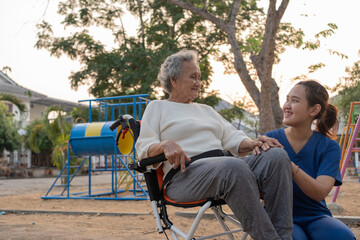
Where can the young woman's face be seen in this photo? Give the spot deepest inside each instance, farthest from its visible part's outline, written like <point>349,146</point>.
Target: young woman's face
<point>187,87</point>
<point>296,108</point>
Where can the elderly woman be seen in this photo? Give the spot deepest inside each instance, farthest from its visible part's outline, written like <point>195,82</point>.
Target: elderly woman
<point>181,129</point>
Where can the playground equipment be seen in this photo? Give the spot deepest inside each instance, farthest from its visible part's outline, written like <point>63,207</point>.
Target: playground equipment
<point>349,147</point>
<point>101,142</point>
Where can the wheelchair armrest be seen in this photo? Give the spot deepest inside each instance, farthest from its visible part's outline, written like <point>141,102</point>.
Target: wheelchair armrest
<point>141,165</point>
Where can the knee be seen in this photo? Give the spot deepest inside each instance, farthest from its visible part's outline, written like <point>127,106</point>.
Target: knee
<point>298,233</point>
<point>341,231</point>
<point>234,167</point>
<point>329,228</point>
<point>333,234</point>
<point>278,157</point>
<point>234,175</point>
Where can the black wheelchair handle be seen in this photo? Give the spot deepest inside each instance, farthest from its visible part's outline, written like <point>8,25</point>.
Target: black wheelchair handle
<point>115,125</point>
<point>142,164</point>
<point>152,160</point>
<point>123,120</point>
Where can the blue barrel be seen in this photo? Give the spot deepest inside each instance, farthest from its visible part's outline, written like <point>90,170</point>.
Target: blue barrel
<point>92,139</point>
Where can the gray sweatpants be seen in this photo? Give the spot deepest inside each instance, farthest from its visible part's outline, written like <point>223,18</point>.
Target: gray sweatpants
<point>238,181</point>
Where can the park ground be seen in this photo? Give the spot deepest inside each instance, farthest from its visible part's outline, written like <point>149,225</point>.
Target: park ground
<point>25,215</point>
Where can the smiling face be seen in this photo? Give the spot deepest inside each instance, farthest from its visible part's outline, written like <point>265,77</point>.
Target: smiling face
<point>296,108</point>
<point>187,87</point>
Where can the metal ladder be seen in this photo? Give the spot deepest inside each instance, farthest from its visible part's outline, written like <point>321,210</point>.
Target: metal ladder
<point>350,149</point>
<point>65,173</point>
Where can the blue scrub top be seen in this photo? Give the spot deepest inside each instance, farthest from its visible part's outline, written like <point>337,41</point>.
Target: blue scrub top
<point>319,156</point>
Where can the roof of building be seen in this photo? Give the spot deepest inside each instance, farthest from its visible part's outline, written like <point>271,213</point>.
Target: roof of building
<point>9,86</point>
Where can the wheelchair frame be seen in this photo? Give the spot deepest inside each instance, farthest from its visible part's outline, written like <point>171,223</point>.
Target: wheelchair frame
<point>158,204</point>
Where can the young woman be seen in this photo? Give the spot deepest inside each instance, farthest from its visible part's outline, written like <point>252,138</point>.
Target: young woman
<point>315,160</point>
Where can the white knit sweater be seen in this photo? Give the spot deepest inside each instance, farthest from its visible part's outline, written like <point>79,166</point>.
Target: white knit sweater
<point>197,128</point>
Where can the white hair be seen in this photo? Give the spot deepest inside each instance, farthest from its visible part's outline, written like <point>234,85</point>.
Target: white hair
<point>172,67</point>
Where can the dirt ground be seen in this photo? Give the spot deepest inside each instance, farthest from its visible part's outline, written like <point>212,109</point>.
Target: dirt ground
<point>129,220</point>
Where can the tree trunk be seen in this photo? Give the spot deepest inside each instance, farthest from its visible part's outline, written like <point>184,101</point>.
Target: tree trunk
<point>276,108</point>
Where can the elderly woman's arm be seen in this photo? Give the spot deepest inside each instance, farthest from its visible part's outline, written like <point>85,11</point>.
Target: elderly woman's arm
<point>173,153</point>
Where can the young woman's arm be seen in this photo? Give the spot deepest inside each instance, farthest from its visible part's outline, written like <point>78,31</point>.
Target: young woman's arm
<point>316,189</point>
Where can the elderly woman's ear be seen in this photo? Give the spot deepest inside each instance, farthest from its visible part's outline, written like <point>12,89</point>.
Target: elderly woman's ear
<point>173,82</point>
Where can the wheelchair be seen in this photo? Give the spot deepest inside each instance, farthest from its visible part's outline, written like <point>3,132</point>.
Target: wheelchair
<point>159,200</point>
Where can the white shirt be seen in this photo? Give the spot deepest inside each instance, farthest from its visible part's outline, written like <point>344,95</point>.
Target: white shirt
<point>197,128</point>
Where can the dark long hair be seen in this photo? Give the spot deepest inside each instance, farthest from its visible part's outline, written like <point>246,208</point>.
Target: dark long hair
<point>327,122</point>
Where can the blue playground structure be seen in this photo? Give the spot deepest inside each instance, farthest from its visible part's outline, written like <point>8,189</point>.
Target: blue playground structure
<point>96,146</point>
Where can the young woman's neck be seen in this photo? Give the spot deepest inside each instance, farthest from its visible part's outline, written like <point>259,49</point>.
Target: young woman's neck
<point>300,133</point>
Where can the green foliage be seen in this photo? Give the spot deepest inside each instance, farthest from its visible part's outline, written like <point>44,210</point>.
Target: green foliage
<point>313,45</point>
<point>327,32</point>
<point>36,137</point>
<point>348,89</point>
<point>50,135</point>
<point>80,114</point>
<point>315,67</point>
<point>15,101</point>
<point>57,126</point>
<point>6,70</point>
<point>230,114</point>
<point>253,123</point>
<point>132,64</point>
<point>332,52</point>
<point>9,137</point>
<point>211,99</point>
<point>59,154</point>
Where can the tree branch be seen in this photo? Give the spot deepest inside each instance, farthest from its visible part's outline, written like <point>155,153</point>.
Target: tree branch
<point>234,11</point>
<point>205,2</point>
<point>200,12</point>
<point>240,67</point>
<point>282,8</point>
<point>271,28</point>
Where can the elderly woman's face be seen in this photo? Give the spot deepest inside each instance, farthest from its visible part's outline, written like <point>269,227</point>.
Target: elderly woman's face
<point>187,87</point>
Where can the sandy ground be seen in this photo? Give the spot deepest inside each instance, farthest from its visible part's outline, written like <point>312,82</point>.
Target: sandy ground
<point>129,219</point>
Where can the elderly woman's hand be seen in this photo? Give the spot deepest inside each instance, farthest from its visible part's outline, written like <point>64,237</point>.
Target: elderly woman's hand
<point>265,143</point>
<point>175,154</point>
<point>261,143</point>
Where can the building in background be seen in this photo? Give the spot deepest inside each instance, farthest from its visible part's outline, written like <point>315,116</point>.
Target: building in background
<point>36,104</point>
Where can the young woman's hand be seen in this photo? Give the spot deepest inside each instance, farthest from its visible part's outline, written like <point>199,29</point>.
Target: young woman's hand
<point>269,142</point>
<point>261,143</point>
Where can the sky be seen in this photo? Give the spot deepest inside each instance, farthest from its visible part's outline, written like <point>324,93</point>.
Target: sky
<point>38,71</point>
